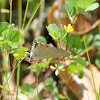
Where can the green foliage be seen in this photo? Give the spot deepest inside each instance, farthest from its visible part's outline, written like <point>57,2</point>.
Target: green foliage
<point>96,41</point>
<point>5,45</point>
<point>74,7</point>
<point>3,27</point>
<point>50,84</point>
<point>41,65</point>
<point>92,7</point>
<point>8,36</point>
<point>41,39</point>
<point>19,50</point>
<point>84,3</point>
<point>15,35</point>
<point>70,5</point>
<point>80,60</point>
<point>92,41</point>
<point>5,34</point>
<point>9,39</point>
<point>88,38</point>
<point>80,74</point>
<point>97,59</point>
<point>38,66</point>
<point>74,41</point>
<point>74,67</point>
<point>26,89</point>
<point>56,33</point>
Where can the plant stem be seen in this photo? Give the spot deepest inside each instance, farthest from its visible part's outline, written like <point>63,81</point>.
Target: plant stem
<point>5,74</point>
<point>99,93</point>
<point>9,78</point>
<point>25,14</point>
<point>33,14</point>
<point>18,77</point>
<point>3,16</point>
<point>19,13</point>
<point>99,28</point>
<point>91,70</point>
<point>37,84</point>
<point>67,97</point>
<point>10,1</point>
<point>88,49</point>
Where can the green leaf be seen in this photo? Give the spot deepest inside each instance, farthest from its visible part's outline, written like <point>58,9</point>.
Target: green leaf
<point>1,38</point>
<point>36,66</point>
<point>69,7</point>
<point>3,26</point>
<point>97,60</point>
<point>23,48</point>
<point>81,10</point>
<point>15,35</point>
<point>53,31</point>
<point>20,50</point>
<point>92,7</point>
<point>84,3</point>
<point>5,34</point>
<point>41,39</point>
<point>5,44</point>
<point>50,84</point>
<point>62,97</point>
<point>42,65</point>
<point>32,67</point>
<point>57,34</point>
<point>52,28</point>
<point>79,60</point>
<point>11,27</point>
<point>62,34</point>
<point>74,67</point>
<point>80,74</point>
<point>96,40</point>
<point>26,89</point>
<point>74,41</point>
<point>88,38</point>
<point>14,45</point>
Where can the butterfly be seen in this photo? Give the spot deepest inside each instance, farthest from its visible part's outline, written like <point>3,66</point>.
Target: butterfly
<point>42,51</point>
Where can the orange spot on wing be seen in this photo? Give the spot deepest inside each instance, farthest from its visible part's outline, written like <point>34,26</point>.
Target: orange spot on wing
<point>46,46</point>
<point>41,45</point>
<point>34,41</point>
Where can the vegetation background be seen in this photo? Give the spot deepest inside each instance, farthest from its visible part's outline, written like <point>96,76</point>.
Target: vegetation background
<point>71,25</point>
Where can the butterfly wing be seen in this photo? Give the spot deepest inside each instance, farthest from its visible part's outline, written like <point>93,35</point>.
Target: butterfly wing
<point>46,51</point>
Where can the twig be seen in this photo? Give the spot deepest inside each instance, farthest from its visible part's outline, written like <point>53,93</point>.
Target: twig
<point>2,87</point>
<point>89,29</point>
